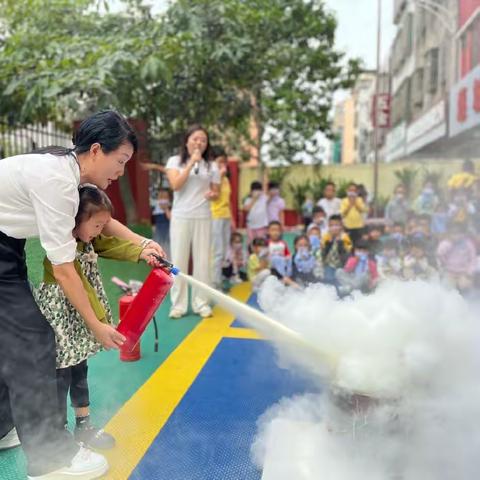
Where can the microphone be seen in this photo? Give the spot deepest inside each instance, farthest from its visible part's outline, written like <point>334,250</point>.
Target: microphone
<point>197,154</point>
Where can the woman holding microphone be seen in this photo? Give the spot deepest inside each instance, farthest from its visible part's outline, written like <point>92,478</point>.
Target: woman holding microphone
<point>195,180</point>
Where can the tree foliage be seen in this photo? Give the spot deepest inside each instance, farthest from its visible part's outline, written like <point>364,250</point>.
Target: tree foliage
<point>229,64</point>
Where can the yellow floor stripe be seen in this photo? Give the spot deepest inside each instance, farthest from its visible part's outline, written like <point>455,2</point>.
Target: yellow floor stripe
<point>138,422</point>
<point>247,333</point>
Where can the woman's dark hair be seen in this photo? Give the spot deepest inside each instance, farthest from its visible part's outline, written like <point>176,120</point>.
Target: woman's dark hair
<point>184,155</point>
<point>92,201</point>
<point>108,128</point>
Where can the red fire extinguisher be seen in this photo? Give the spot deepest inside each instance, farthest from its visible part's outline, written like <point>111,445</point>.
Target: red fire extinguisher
<point>127,355</point>
<point>138,310</point>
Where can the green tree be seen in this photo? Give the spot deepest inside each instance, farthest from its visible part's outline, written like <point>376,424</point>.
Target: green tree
<point>270,64</point>
<point>299,193</point>
<point>229,64</point>
<point>406,176</point>
<point>62,59</point>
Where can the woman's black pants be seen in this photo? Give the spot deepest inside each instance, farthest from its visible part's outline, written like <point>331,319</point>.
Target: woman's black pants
<point>28,388</point>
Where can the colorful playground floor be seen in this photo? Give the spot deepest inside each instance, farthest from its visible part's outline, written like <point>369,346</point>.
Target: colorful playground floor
<point>189,411</point>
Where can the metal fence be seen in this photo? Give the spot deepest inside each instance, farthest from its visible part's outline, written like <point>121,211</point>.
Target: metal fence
<point>16,139</point>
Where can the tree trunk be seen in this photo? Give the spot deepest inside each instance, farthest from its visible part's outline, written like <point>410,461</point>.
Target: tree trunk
<point>257,132</point>
<point>128,199</point>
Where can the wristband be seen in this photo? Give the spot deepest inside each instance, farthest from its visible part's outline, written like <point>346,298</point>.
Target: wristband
<point>145,242</point>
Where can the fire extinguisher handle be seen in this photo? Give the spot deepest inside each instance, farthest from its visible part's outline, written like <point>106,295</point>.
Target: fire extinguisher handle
<point>166,264</point>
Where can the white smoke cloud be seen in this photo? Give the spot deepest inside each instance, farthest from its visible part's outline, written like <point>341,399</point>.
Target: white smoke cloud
<point>401,399</point>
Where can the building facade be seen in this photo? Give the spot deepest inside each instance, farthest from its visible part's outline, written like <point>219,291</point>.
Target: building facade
<point>352,123</point>
<point>422,71</point>
<point>464,101</point>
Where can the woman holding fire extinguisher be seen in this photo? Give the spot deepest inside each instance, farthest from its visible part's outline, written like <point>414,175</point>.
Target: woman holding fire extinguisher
<point>195,181</point>
<point>39,198</point>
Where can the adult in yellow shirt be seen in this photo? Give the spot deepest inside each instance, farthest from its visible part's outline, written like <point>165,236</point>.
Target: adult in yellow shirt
<point>353,211</point>
<point>221,217</point>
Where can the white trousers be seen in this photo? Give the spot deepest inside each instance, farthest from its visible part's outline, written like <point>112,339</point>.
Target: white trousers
<point>221,231</point>
<point>193,235</point>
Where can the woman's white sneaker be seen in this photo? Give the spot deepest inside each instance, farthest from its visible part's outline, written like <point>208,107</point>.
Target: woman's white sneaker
<point>85,465</point>
<point>175,313</point>
<point>10,440</point>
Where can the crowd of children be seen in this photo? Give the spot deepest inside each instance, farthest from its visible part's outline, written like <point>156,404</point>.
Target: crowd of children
<point>436,235</point>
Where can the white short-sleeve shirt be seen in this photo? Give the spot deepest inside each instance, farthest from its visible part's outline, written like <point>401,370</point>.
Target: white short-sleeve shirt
<point>39,198</point>
<point>257,217</point>
<point>331,206</point>
<point>190,201</point>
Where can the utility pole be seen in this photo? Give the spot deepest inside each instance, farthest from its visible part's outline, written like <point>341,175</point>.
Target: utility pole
<point>375,113</point>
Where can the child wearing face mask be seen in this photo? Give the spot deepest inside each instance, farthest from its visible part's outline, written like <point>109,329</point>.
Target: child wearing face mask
<point>427,201</point>
<point>460,208</point>
<point>278,250</point>
<point>439,222</point>
<point>360,271</point>
<point>390,263</point>
<point>258,266</point>
<point>74,341</point>
<point>304,266</point>
<point>319,220</point>
<point>257,215</point>
<point>416,263</point>
<point>335,247</point>
<point>353,210</point>
<point>397,208</point>
<point>457,257</point>
<point>162,213</point>
<point>314,235</point>
<point>235,264</point>
<point>275,204</point>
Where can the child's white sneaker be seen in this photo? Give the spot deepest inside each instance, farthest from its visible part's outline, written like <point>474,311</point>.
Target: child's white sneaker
<point>85,465</point>
<point>10,440</point>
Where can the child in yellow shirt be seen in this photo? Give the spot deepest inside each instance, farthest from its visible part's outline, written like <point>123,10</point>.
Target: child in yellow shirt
<point>353,210</point>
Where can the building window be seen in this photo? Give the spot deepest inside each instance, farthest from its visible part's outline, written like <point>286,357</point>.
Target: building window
<point>409,35</point>
<point>421,27</point>
<point>433,60</point>
<point>444,63</point>
<point>476,43</point>
<point>418,89</point>
<point>401,105</point>
<point>466,52</point>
